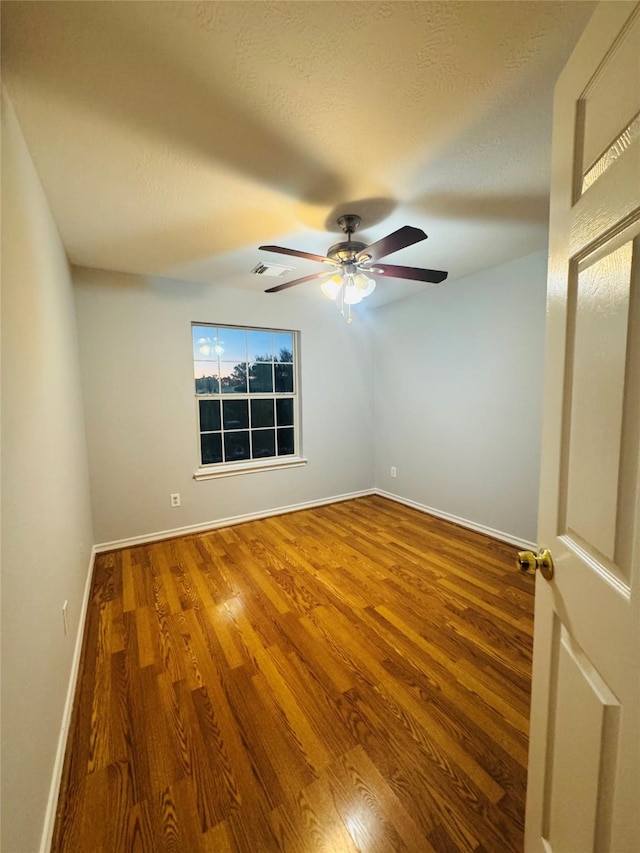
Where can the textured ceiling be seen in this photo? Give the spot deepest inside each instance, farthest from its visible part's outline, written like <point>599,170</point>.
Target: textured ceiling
<point>174,138</point>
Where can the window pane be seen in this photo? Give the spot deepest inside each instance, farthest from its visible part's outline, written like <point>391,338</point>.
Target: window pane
<point>206,376</point>
<point>262,413</point>
<point>211,448</point>
<point>208,385</point>
<point>205,368</point>
<point>284,408</point>
<point>282,346</point>
<point>233,377</point>
<point>209,415</point>
<point>284,378</point>
<point>260,378</point>
<point>260,346</point>
<point>205,343</point>
<point>235,414</point>
<point>233,344</point>
<point>264,443</point>
<point>236,446</point>
<point>285,442</point>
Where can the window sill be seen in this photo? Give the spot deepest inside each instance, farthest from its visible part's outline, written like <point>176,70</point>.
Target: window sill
<point>234,468</point>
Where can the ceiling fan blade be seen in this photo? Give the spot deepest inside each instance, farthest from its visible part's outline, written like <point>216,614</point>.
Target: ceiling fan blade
<point>297,254</point>
<point>405,236</point>
<point>296,281</point>
<point>415,273</point>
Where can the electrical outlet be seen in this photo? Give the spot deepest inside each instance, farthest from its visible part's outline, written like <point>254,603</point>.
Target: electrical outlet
<point>393,471</point>
<point>175,499</point>
<point>65,619</point>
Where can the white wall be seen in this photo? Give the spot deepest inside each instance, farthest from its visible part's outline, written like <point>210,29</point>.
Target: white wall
<point>137,369</point>
<point>458,379</point>
<point>458,396</point>
<point>46,522</point>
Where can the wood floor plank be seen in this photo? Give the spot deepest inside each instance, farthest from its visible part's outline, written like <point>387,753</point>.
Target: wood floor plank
<point>374,817</point>
<point>350,677</point>
<point>298,728</point>
<point>273,773</point>
<point>161,559</point>
<point>325,665</point>
<point>219,619</point>
<point>311,823</point>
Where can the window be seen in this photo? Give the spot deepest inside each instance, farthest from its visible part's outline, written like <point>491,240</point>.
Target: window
<point>246,398</point>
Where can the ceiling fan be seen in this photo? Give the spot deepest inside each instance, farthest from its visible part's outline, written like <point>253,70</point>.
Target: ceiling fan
<point>352,262</point>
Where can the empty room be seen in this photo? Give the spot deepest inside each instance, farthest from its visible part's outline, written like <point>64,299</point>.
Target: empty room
<point>320,427</point>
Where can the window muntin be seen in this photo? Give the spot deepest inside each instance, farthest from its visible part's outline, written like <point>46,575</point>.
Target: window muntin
<point>245,388</point>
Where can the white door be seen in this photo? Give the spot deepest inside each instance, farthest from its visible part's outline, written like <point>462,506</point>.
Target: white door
<point>584,760</point>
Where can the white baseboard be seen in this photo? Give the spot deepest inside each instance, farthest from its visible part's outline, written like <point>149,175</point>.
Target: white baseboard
<point>509,538</point>
<point>226,522</point>
<point>158,535</point>
<point>58,765</point>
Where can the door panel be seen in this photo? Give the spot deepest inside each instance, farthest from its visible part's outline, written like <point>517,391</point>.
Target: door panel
<point>598,318</point>
<point>584,759</point>
<point>606,116</point>
<point>580,756</point>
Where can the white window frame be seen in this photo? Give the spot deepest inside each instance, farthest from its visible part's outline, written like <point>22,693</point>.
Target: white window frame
<point>270,463</point>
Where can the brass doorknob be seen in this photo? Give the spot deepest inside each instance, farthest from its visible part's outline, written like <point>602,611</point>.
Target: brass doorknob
<point>528,562</point>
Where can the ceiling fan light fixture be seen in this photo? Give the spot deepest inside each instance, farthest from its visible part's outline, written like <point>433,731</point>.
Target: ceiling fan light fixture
<point>356,287</point>
<point>352,293</point>
<point>331,287</point>
<point>365,285</point>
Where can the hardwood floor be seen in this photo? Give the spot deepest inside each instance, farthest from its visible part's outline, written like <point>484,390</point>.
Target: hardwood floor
<point>348,678</point>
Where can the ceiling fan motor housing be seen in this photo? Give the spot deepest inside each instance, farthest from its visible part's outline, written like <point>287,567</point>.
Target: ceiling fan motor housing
<point>346,252</point>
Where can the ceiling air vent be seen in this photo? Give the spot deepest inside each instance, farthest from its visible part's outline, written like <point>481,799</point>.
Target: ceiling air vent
<point>274,270</point>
